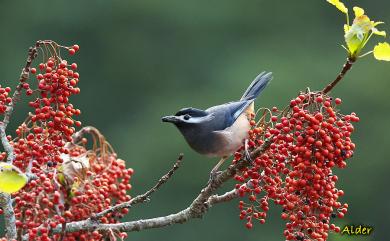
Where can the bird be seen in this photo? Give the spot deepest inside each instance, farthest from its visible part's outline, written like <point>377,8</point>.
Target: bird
<point>220,130</point>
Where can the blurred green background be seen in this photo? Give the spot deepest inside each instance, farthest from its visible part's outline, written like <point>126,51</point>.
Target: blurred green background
<point>140,60</point>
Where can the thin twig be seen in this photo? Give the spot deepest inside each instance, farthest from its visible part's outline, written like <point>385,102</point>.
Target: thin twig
<point>347,66</point>
<point>32,54</point>
<point>85,130</point>
<point>143,197</point>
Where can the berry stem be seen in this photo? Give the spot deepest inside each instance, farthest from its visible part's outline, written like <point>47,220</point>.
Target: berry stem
<point>347,66</point>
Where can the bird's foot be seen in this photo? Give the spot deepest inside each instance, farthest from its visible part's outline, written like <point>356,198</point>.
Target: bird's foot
<point>246,153</point>
<point>248,157</point>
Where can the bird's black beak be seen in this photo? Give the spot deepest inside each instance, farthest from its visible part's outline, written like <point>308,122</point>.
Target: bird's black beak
<point>171,119</point>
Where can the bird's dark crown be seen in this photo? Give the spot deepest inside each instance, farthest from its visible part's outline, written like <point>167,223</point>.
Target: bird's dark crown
<point>192,112</point>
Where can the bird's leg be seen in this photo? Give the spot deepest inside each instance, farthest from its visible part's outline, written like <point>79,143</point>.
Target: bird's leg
<point>247,154</point>
<point>214,172</point>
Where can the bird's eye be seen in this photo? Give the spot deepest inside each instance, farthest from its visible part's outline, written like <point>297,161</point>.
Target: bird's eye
<point>187,117</point>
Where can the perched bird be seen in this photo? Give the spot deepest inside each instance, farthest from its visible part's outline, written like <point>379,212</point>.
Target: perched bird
<point>220,130</point>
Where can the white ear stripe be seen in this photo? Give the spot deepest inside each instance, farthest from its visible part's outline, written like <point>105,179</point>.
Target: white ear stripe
<point>196,120</point>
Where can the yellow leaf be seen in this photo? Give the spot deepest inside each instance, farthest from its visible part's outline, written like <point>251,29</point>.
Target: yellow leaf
<point>382,51</point>
<point>339,5</point>
<point>377,32</point>
<point>377,23</point>
<point>358,11</point>
<point>11,178</point>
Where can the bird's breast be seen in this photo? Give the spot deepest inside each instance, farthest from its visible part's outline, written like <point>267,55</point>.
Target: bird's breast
<point>229,140</point>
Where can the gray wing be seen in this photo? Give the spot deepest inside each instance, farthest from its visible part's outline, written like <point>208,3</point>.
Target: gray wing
<point>226,114</point>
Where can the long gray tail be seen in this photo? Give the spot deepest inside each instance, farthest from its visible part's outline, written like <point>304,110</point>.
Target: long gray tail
<point>257,86</point>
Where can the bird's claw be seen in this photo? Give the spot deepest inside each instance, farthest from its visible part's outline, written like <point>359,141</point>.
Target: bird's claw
<point>246,152</point>
<point>248,156</point>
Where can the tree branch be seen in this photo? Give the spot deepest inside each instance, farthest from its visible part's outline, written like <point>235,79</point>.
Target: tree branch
<point>199,206</point>
<point>222,198</point>
<point>159,222</point>
<point>6,145</point>
<point>9,216</point>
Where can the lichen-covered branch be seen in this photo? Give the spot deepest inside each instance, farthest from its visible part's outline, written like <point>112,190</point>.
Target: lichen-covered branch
<point>226,197</point>
<point>158,222</point>
<point>6,145</point>
<point>9,216</point>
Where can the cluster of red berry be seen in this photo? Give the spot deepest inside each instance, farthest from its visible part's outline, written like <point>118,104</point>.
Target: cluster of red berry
<point>308,139</point>
<point>86,183</point>
<point>42,137</point>
<point>4,98</point>
<point>73,182</point>
<point>106,184</point>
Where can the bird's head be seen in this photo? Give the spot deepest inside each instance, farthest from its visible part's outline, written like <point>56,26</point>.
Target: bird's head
<point>188,117</point>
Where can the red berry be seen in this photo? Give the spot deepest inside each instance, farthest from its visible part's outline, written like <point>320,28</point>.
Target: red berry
<point>76,47</point>
<point>249,225</point>
<point>319,99</point>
